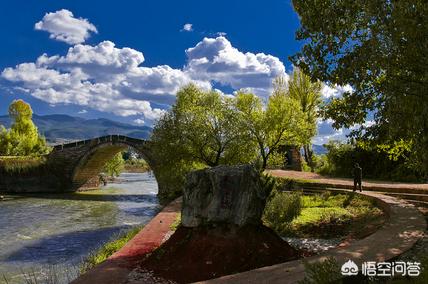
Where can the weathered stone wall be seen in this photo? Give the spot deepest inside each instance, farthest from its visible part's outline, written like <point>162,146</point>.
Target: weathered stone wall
<point>35,179</point>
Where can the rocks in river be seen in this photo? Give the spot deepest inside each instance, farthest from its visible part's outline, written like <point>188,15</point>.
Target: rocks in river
<point>224,194</point>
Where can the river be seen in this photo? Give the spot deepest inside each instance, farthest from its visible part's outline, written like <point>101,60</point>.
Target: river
<point>44,232</point>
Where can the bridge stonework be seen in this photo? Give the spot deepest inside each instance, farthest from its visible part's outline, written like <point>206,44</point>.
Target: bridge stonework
<point>78,164</point>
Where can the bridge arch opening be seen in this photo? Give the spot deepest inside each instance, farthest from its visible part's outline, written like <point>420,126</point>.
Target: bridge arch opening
<point>92,155</point>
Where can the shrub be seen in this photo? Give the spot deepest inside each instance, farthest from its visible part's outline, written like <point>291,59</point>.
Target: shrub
<point>324,272</point>
<point>282,209</point>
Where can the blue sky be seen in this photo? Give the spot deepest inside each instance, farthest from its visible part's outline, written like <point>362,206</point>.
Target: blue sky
<point>124,60</point>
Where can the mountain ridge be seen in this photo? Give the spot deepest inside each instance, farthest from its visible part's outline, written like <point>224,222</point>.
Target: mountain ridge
<point>60,128</point>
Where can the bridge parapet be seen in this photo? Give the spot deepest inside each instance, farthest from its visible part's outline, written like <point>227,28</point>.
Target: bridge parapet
<point>102,139</point>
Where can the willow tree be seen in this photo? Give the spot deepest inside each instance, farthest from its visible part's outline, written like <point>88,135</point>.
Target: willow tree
<point>380,49</point>
<point>270,127</point>
<point>308,95</point>
<point>202,129</point>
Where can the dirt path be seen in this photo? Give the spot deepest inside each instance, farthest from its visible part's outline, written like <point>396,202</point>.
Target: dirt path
<point>368,184</point>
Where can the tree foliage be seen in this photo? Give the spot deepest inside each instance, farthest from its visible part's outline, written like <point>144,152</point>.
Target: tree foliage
<point>206,129</point>
<point>308,95</point>
<point>380,49</point>
<point>23,138</point>
<point>115,166</point>
<point>280,123</point>
<point>340,159</point>
<point>201,127</point>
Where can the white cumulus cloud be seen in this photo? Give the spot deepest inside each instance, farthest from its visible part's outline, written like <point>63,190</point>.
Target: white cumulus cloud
<point>63,26</point>
<point>187,27</point>
<point>335,91</point>
<point>215,59</point>
<point>113,79</point>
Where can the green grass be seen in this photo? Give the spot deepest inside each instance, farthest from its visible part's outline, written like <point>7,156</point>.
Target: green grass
<point>108,249</point>
<point>329,215</point>
<point>176,223</point>
<point>18,164</point>
<point>315,214</point>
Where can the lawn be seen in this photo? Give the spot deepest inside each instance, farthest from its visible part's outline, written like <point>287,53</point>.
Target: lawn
<point>329,215</point>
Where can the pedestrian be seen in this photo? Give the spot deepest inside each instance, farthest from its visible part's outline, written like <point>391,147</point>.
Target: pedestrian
<point>358,176</point>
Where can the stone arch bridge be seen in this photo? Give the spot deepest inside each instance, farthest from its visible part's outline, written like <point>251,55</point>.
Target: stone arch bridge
<point>77,165</point>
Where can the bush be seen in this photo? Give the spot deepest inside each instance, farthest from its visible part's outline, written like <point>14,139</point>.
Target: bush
<point>324,272</point>
<point>282,209</point>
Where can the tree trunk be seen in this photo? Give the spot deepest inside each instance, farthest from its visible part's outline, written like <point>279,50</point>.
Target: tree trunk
<point>308,156</point>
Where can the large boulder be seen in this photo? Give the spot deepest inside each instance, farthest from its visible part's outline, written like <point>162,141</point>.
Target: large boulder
<point>224,194</point>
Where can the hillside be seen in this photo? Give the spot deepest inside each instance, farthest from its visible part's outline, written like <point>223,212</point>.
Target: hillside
<point>60,128</point>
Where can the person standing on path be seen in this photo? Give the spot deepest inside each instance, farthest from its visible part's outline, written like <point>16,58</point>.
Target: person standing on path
<point>358,176</point>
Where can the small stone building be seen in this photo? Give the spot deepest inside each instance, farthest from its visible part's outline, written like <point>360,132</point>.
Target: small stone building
<point>292,157</point>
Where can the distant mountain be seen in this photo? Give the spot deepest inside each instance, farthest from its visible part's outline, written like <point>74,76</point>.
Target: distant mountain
<point>59,128</point>
<point>319,149</point>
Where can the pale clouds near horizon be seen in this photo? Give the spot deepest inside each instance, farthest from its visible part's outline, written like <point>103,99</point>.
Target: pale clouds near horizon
<point>63,26</point>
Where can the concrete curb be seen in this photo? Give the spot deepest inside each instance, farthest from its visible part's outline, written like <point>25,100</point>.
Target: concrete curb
<point>116,268</point>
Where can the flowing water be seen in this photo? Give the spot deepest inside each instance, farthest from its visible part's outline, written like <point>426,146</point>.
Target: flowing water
<point>42,231</point>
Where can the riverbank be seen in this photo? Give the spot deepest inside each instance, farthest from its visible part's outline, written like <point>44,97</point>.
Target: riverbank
<point>117,268</point>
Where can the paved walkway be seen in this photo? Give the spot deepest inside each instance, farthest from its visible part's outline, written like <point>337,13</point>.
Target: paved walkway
<point>403,228</point>
<point>116,268</point>
<point>349,184</point>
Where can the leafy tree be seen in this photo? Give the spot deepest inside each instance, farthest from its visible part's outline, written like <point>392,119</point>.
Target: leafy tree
<point>380,49</point>
<point>340,159</point>
<point>4,140</point>
<point>206,129</point>
<point>23,138</point>
<point>308,95</point>
<point>202,127</point>
<point>115,166</point>
<point>280,123</point>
